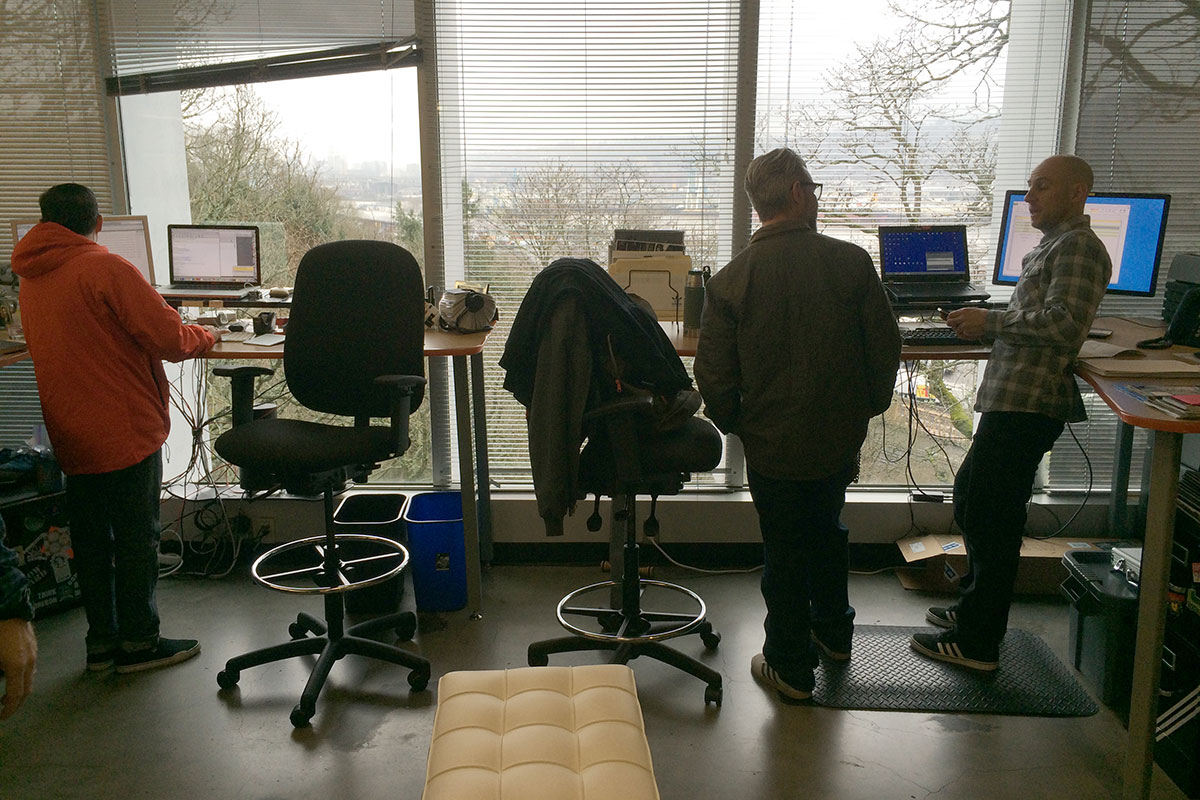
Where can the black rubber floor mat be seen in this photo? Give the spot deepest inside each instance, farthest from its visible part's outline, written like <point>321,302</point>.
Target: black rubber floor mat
<point>885,674</point>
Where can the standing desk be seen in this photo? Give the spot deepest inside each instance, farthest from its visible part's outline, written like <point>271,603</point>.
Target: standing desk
<point>468,402</point>
<point>1160,497</point>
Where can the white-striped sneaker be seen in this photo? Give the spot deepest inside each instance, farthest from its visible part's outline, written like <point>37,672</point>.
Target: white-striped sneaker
<point>942,617</point>
<point>946,646</point>
<point>765,674</point>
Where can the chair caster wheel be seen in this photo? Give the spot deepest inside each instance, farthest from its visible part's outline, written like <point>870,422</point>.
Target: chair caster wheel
<point>418,680</point>
<point>228,678</point>
<point>711,640</point>
<point>300,716</point>
<point>406,629</point>
<point>297,631</point>
<point>538,660</point>
<point>712,694</point>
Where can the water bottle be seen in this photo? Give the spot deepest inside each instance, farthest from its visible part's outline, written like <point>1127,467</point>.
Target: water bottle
<point>693,300</point>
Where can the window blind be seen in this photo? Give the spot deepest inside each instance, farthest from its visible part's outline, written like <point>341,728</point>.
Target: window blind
<point>562,121</point>
<point>1138,111</point>
<point>168,47</point>
<point>52,131</point>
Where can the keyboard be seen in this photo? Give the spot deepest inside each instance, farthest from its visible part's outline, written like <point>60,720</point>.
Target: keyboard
<point>918,337</point>
<point>236,336</point>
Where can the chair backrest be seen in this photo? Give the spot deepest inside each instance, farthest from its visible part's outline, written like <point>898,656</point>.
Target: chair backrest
<point>357,313</point>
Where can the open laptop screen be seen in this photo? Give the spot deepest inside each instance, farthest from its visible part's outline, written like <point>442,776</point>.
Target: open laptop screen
<point>127,236</point>
<point>920,253</point>
<point>213,255</point>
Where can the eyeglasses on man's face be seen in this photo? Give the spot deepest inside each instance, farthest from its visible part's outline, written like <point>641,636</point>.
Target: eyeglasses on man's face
<point>816,188</point>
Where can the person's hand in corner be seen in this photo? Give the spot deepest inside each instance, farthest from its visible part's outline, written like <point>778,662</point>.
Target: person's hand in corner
<point>217,333</point>
<point>18,662</point>
<point>967,323</point>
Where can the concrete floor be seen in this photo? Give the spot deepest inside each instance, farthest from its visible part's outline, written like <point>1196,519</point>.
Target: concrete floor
<point>171,733</point>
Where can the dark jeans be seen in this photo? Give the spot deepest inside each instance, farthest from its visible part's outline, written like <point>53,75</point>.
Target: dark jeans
<point>991,490</point>
<point>115,533</point>
<point>804,578</point>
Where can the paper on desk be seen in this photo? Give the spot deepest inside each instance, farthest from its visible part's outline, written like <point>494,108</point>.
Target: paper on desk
<point>1148,367</point>
<point>1093,348</point>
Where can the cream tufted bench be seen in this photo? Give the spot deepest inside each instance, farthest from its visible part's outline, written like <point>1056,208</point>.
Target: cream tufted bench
<point>560,733</point>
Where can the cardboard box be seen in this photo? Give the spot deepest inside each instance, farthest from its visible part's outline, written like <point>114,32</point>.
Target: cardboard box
<point>938,563</point>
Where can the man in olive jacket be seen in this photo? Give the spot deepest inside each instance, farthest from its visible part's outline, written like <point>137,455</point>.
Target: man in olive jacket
<point>798,350</point>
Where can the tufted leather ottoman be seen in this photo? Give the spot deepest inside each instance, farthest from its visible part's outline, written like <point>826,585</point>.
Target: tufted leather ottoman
<point>560,733</point>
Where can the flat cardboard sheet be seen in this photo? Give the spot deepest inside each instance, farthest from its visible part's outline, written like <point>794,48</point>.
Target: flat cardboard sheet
<point>938,562</point>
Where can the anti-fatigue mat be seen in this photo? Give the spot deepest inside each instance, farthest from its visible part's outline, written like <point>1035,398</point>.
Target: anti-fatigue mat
<point>886,674</point>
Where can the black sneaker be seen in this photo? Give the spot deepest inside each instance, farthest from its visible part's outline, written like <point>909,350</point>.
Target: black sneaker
<point>942,617</point>
<point>98,662</point>
<point>165,653</point>
<point>838,653</point>
<point>767,676</point>
<point>946,646</point>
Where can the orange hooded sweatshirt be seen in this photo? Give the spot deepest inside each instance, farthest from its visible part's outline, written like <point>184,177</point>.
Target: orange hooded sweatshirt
<point>98,334</point>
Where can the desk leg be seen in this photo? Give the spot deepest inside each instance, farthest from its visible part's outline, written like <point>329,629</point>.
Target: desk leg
<point>479,412</point>
<point>1118,520</point>
<point>1156,560</point>
<point>466,466</point>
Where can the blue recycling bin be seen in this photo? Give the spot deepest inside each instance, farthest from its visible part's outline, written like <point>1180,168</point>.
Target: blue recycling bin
<point>438,550</point>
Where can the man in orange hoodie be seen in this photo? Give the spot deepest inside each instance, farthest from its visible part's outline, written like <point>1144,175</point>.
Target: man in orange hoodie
<point>98,334</point>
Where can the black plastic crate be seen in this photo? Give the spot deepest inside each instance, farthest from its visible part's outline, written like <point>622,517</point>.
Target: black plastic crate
<point>1177,734</point>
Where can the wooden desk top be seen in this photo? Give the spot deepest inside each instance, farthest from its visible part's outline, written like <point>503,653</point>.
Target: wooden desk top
<point>437,343</point>
<point>1129,409</point>
<point>685,345</point>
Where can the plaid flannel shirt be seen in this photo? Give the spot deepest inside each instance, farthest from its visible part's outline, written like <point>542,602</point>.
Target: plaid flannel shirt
<point>14,588</point>
<point>1036,340</point>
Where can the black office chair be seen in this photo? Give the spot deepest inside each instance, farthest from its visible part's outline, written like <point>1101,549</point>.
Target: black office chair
<point>627,454</point>
<point>355,348</point>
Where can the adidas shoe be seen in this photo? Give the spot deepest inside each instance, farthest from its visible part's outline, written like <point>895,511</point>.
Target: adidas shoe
<point>942,617</point>
<point>767,676</point>
<point>165,653</point>
<point>946,646</point>
<point>839,653</point>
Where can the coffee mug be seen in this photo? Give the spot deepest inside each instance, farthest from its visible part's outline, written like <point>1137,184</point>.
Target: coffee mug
<point>264,322</point>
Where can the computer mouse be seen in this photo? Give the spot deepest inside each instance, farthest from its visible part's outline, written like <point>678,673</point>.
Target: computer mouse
<point>237,326</point>
<point>279,291</point>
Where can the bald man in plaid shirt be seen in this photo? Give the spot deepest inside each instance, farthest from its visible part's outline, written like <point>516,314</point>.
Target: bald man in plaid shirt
<point>1027,396</point>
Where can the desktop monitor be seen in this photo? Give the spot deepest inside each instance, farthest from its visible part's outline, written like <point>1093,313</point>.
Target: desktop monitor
<point>128,237</point>
<point>213,255</point>
<point>1130,225</point>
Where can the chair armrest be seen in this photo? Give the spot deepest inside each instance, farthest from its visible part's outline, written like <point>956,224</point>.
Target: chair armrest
<point>242,391</point>
<point>642,405</point>
<point>400,388</point>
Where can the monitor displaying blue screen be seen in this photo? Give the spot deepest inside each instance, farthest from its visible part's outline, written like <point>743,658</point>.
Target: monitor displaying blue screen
<point>1131,226</point>
<point>923,252</point>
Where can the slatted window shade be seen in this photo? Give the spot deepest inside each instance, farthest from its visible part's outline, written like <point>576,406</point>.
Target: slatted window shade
<point>1138,114</point>
<point>52,130</point>
<point>173,46</point>
<point>562,121</point>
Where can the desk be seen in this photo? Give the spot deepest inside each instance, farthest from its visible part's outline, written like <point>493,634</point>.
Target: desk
<point>1160,526</point>
<point>470,415</point>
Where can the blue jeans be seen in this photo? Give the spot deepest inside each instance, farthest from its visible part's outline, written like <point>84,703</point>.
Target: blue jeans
<point>805,564</point>
<point>115,533</point>
<point>991,491</point>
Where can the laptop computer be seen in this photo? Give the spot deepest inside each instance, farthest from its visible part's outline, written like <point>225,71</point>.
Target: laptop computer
<point>925,264</point>
<point>127,236</point>
<point>212,261</point>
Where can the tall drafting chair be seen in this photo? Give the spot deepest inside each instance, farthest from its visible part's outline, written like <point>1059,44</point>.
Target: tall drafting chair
<point>626,455</point>
<point>355,348</point>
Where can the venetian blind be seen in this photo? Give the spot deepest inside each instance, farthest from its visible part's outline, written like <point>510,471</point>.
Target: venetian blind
<point>1139,108</point>
<point>197,43</point>
<point>563,121</point>
<point>52,130</point>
